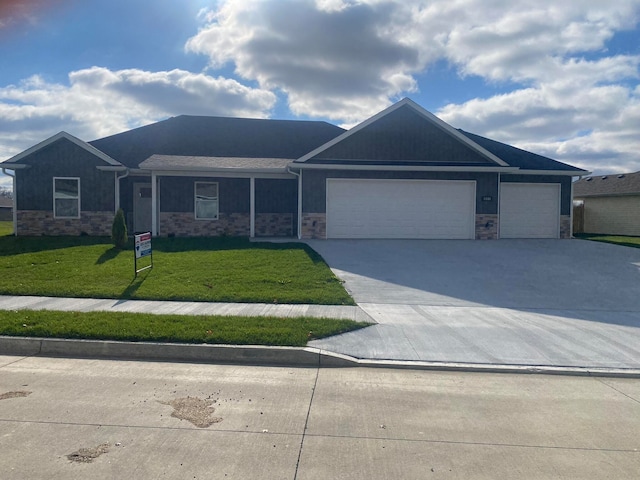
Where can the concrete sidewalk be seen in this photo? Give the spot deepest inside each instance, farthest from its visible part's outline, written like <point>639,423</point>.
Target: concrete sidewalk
<point>370,347</point>
<point>8,302</point>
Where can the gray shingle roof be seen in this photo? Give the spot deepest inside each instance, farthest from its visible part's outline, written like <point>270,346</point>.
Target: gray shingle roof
<point>181,162</point>
<point>516,157</point>
<point>607,185</point>
<point>198,136</point>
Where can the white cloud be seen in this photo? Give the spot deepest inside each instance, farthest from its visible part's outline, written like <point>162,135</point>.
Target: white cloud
<point>99,102</point>
<point>333,59</point>
<point>347,59</point>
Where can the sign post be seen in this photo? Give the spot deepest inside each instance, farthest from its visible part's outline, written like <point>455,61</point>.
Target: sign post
<point>141,249</point>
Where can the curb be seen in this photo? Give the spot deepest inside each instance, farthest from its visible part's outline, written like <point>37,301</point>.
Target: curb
<point>266,356</point>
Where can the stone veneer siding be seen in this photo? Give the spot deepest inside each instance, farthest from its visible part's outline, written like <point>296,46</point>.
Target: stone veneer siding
<point>40,222</point>
<point>184,224</point>
<point>565,226</point>
<point>314,225</point>
<point>487,227</point>
<point>274,225</point>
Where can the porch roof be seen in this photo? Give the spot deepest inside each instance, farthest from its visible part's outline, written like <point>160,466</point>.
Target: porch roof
<point>183,163</point>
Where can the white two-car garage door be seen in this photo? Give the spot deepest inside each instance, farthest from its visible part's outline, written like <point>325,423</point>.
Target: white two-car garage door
<point>529,210</point>
<point>367,208</point>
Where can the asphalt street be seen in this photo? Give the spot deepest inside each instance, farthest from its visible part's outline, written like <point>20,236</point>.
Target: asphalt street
<point>105,419</point>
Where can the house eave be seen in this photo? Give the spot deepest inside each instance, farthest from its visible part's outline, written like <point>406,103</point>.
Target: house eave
<point>223,172</point>
<point>412,168</point>
<point>567,173</point>
<point>425,114</point>
<point>111,168</point>
<point>80,143</point>
<point>600,195</point>
<point>14,166</point>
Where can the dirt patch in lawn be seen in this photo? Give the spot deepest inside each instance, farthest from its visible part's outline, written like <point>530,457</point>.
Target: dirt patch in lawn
<point>195,410</point>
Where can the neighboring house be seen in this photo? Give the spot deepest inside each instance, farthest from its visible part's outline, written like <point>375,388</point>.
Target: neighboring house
<point>610,203</point>
<point>403,173</point>
<point>6,208</point>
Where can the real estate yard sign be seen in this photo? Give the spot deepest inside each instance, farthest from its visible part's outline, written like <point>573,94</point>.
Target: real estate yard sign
<point>142,249</point>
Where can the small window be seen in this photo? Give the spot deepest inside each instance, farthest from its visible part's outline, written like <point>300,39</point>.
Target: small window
<point>66,197</point>
<point>206,200</point>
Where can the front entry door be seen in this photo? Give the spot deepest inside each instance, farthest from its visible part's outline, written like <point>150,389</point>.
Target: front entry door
<point>142,207</point>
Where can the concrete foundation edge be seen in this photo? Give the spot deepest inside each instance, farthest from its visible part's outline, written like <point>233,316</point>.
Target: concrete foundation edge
<point>268,356</point>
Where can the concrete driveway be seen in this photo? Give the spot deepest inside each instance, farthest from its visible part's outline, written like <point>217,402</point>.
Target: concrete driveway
<point>516,302</point>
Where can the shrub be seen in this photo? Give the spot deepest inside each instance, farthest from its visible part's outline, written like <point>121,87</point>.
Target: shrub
<point>119,230</point>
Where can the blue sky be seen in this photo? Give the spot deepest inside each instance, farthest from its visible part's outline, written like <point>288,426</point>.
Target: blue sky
<point>557,78</point>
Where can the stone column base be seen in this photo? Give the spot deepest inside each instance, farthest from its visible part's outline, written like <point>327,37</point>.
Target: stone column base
<point>314,226</point>
<point>487,227</point>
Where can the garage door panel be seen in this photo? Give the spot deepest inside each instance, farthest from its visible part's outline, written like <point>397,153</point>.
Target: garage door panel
<point>358,208</point>
<point>529,210</point>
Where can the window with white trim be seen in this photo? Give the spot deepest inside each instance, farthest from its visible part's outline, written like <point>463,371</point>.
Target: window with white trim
<point>206,200</point>
<point>66,197</point>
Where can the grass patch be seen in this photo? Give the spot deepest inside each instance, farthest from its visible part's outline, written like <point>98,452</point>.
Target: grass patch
<point>6,228</point>
<point>614,239</point>
<point>144,327</point>
<point>197,269</point>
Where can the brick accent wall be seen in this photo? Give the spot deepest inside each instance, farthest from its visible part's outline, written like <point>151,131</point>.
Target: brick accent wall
<point>274,225</point>
<point>486,227</point>
<point>183,224</point>
<point>565,226</point>
<point>40,222</point>
<point>314,225</point>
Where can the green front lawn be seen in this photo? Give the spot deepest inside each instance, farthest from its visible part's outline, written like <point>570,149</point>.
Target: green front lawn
<point>6,228</point>
<point>142,327</point>
<point>199,269</point>
<point>615,239</point>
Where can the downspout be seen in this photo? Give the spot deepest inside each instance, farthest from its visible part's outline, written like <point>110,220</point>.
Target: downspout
<point>252,207</point>
<point>117,202</point>
<point>15,202</point>
<point>299,175</point>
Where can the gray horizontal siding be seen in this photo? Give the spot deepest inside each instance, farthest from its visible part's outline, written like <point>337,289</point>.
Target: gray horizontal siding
<point>276,196</point>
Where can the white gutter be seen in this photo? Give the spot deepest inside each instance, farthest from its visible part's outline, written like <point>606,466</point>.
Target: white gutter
<point>571,173</point>
<point>117,189</point>
<point>15,202</point>
<point>299,222</point>
<point>414,168</point>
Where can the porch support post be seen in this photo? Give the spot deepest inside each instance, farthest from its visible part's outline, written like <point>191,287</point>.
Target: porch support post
<point>300,205</point>
<point>252,207</point>
<point>15,204</point>
<point>570,210</point>
<point>154,205</point>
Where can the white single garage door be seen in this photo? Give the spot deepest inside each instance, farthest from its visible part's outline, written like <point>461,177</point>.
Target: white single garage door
<point>529,210</point>
<point>365,208</point>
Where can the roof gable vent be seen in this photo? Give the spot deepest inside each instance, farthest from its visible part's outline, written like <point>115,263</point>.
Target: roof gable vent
<point>621,176</point>
<point>605,177</point>
<point>588,179</point>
